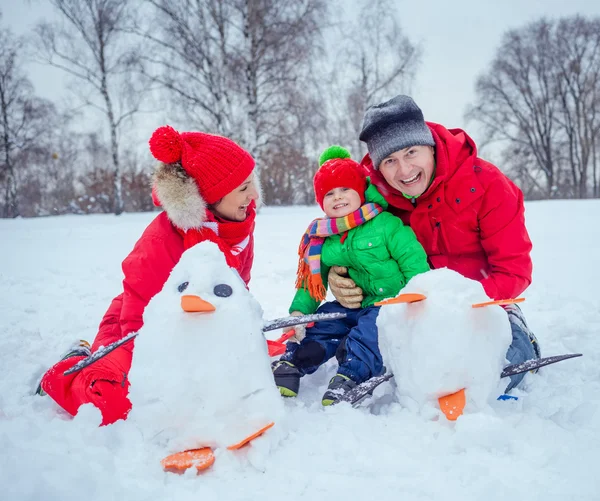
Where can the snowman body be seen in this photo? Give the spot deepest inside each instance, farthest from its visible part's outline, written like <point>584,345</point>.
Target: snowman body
<point>202,379</point>
<point>442,344</point>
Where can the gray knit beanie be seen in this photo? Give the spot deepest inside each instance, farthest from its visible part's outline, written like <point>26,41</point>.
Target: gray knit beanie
<point>392,126</point>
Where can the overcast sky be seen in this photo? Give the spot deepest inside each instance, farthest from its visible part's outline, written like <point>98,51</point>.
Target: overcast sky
<point>459,39</point>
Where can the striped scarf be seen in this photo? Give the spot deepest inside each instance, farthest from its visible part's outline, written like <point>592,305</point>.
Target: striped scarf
<point>311,245</point>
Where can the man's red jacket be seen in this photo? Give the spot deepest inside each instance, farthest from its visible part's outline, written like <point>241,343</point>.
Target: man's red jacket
<point>470,219</point>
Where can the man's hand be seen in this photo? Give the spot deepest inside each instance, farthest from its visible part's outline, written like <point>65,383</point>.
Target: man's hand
<point>343,288</point>
<point>299,330</point>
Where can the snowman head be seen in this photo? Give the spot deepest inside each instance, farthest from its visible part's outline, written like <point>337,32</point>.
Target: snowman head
<point>203,283</point>
<point>202,294</point>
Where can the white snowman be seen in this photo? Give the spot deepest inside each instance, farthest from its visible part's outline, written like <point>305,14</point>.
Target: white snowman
<point>441,345</point>
<point>200,375</point>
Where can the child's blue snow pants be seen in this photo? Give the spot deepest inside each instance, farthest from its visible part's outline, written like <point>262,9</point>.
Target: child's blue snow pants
<point>353,340</point>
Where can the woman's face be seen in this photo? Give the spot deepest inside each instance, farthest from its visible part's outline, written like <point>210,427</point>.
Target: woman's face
<point>234,205</point>
<point>409,170</point>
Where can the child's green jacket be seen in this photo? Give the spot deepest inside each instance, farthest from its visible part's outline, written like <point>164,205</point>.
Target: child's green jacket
<point>381,256</point>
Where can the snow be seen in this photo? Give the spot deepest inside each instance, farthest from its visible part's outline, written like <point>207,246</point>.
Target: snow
<point>179,355</point>
<point>445,344</point>
<point>58,275</point>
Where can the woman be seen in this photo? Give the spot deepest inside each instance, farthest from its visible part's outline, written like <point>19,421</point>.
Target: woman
<point>205,184</point>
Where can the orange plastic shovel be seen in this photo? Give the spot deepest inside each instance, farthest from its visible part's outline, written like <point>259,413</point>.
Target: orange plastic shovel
<point>409,297</point>
<point>452,405</point>
<point>202,458</point>
<point>250,438</point>
<point>499,302</point>
<point>181,461</point>
<point>277,347</point>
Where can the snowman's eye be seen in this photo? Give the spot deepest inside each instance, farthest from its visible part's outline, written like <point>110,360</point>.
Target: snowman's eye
<point>183,286</point>
<point>223,290</point>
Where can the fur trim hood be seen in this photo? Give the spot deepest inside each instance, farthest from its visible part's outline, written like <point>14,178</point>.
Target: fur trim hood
<point>179,196</point>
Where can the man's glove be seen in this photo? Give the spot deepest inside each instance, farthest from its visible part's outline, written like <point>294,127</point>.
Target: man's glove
<point>299,330</point>
<point>343,288</point>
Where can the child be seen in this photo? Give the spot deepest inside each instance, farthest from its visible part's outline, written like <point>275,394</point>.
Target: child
<point>381,255</point>
<point>205,184</point>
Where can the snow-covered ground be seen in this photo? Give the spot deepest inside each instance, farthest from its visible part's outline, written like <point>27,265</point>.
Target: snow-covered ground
<point>57,276</point>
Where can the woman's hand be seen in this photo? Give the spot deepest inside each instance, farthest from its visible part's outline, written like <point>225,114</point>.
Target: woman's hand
<point>343,288</point>
<point>103,383</point>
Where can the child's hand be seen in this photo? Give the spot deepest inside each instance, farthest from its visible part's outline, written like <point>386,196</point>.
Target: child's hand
<point>299,330</point>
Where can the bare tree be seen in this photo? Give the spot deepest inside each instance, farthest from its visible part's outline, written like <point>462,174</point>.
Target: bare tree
<point>188,56</point>
<point>14,90</point>
<point>47,168</point>
<point>247,69</point>
<point>94,180</point>
<point>92,45</point>
<point>279,39</point>
<point>137,180</point>
<point>292,158</point>
<point>380,62</point>
<point>57,166</point>
<point>517,100</point>
<point>541,99</point>
<point>229,64</point>
<point>577,58</point>
<point>23,121</point>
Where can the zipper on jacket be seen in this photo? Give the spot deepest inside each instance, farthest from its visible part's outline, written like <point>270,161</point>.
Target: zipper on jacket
<point>434,238</point>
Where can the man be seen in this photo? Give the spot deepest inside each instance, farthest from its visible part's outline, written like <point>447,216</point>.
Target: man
<point>467,214</point>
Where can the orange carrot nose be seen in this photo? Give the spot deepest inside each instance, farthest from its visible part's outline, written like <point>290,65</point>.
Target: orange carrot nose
<point>192,304</point>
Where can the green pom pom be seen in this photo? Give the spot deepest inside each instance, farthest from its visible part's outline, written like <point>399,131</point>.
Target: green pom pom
<point>333,152</point>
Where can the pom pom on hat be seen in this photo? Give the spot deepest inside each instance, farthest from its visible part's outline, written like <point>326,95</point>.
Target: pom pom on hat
<point>338,170</point>
<point>166,145</point>
<point>333,152</point>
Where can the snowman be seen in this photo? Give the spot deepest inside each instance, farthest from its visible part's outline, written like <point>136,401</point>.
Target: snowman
<point>441,350</point>
<point>200,375</point>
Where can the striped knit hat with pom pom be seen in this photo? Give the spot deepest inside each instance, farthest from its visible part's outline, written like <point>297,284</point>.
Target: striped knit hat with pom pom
<point>338,170</point>
<point>217,164</point>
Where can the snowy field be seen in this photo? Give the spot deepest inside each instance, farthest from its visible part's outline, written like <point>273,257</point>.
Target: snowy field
<point>58,275</point>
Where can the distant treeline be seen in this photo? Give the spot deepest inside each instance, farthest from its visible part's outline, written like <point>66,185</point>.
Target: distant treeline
<point>284,78</point>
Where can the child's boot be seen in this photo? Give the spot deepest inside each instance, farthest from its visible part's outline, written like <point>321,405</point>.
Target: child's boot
<point>287,378</point>
<point>80,348</point>
<point>338,386</point>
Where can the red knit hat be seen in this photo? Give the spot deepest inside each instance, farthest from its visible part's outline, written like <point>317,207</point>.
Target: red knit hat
<point>338,170</point>
<point>217,164</point>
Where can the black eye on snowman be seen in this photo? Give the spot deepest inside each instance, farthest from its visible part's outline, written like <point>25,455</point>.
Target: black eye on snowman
<point>223,290</point>
<point>183,286</point>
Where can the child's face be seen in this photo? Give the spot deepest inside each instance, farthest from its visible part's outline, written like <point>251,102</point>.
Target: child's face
<point>340,202</point>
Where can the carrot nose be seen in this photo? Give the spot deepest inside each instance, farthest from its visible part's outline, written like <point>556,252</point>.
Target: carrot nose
<point>192,304</point>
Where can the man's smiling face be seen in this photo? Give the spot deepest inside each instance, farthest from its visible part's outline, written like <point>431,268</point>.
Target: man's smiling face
<point>409,170</point>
